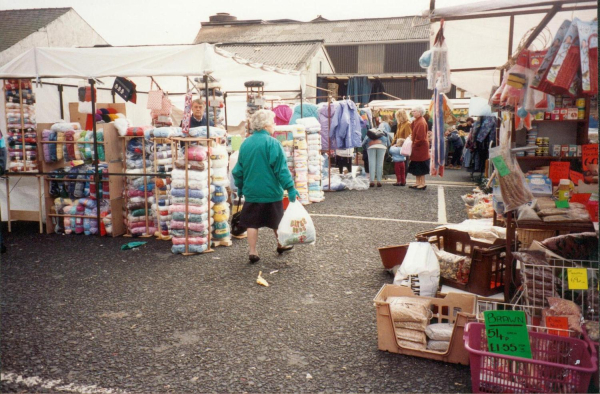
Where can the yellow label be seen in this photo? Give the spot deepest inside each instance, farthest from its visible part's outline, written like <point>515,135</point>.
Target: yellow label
<point>578,278</point>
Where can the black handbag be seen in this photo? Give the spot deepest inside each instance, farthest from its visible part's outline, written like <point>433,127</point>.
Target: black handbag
<point>125,89</point>
<point>375,134</point>
<point>236,229</point>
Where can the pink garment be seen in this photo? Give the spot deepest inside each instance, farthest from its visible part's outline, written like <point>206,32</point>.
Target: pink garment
<point>191,241</point>
<point>283,114</point>
<point>191,208</point>
<point>142,230</point>
<point>197,153</point>
<point>140,224</point>
<point>177,225</point>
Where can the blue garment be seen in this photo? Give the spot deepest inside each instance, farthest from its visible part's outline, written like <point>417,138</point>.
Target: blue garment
<point>396,155</point>
<point>308,111</point>
<point>455,140</point>
<point>376,157</point>
<point>359,89</point>
<point>384,140</point>
<point>345,126</point>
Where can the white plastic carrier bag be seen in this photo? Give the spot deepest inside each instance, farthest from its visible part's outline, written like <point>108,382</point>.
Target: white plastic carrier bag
<point>296,226</point>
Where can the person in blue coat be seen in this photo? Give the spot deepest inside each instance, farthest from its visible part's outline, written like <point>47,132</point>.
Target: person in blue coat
<point>399,162</point>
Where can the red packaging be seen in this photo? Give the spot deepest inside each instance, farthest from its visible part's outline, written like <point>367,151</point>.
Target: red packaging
<point>547,115</point>
<point>536,58</point>
<point>539,80</point>
<point>566,63</point>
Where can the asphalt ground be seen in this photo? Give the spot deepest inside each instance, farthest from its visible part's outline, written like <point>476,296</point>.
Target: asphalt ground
<point>80,315</point>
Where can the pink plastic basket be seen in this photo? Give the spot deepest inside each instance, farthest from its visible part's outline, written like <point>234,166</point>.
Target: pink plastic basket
<point>559,365</point>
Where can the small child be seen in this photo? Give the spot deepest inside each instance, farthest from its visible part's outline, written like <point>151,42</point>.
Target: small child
<point>399,162</point>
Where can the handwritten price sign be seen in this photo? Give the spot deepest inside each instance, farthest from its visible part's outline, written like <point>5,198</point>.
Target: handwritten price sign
<point>578,279</point>
<point>507,333</point>
<point>560,322</point>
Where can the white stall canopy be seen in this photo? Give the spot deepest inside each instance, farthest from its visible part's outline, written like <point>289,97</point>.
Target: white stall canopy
<point>479,37</point>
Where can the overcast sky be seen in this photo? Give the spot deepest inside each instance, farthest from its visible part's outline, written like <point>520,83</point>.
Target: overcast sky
<point>138,22</point>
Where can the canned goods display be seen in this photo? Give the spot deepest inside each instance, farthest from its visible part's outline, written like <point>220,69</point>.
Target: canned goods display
<point>581,114</point>
<point>580,103</point>
<point>539,152</point>
<point>539,141</point>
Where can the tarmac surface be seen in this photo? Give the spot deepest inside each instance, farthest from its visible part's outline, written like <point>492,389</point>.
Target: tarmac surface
<point>80,315</point>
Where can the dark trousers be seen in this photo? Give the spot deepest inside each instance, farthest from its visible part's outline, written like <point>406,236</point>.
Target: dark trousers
<point>400,170</point>
<point>456,156</point>
<point>342,162</point>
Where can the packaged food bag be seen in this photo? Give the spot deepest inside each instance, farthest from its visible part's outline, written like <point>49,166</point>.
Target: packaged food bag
<point>420,260</point>
<point>539,81</point>
<point>588,43</point>
<point>566,63</point>
<point>296,226</point>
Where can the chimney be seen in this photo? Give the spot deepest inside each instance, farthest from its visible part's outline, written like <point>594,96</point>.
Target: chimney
<point>222,17</point>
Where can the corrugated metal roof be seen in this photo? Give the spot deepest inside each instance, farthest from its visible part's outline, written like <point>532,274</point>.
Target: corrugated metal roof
<point>332,32</point>
<point>293,55</point>
<point>15,25</point>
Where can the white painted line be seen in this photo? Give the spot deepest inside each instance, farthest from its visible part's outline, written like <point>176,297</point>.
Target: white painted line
<point>442,206</point>
<point>375,219</point>
<point>57,384</point>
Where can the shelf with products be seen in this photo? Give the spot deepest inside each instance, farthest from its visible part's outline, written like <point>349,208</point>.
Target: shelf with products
<point>554,158</point>
<point>70,193</point>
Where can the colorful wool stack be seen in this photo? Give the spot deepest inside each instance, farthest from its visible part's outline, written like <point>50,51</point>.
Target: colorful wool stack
<point>195,208</point>
<point>163,164</point>
<point>221,231</point>
<point>315,160</point>
<point>139,190</point>
<point>216,103</point>
<point>301,163</point>
<point>21,125</point>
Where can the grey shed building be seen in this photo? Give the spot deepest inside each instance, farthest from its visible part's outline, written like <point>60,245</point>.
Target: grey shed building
<point>385,50</point>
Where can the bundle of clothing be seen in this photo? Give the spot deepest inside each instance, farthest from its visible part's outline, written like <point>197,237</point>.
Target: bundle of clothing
<point>77,182</point>
<point>219,160</point>
<point>344,125</point>
<point>315,160</point>
<point>139,190</point>
<point>76,224</point>
<point>21,125</point>
<point>163,163</point>
<point>198,132</point>
<point>216,103</point>
<point>306,110</point>
<point>195,208</point>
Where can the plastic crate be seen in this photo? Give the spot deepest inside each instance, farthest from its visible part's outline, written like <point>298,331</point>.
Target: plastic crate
<point>486,277</point>
<point>558,365</point>
<point>454,308</point>
<point>595,350</point>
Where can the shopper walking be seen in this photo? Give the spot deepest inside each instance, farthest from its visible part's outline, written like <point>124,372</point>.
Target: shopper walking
<point>261,175</point>
<point>419,158</point>
<point>376,149</point>
<point>399,159</point>
<point>456,142</point>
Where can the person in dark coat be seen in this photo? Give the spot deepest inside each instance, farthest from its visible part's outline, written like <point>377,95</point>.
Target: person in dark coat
<point>419,157</point>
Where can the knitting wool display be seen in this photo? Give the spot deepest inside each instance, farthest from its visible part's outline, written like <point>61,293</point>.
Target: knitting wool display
<point>21,126</point>
<point>163,163</point>
<point>189,208</point>
<point>314,159</point>
<point>139,192</point>
<point>221,231</point>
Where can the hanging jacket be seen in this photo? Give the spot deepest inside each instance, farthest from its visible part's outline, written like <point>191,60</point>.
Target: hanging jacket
<point>308,111</point>
<point>345,126</point>
<point>325,117</point>
<point>283,114</point>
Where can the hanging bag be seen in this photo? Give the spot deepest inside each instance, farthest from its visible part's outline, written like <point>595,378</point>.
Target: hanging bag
<point>187,114</point>
<point>236,229</point>
<point>296,226</point>
<point>155,98</point>
<point>166,107</point>
<point>406,149</point>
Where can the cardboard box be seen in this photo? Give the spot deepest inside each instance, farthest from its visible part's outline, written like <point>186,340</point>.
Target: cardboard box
<point>572,113</point>
<point>556,150</point>
<point>564,150</point>
<point>556,114</point>
<point>563,114</point>
<point>568,101</point>
<point>572,150</point>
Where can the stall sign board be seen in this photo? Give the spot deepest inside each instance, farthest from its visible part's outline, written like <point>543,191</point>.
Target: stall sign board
<point>575,177</point>
<point>559,322</point>
<point>507,334</point>
<point>589,155</point>
<point>578,278</point>
<point>559,170</point>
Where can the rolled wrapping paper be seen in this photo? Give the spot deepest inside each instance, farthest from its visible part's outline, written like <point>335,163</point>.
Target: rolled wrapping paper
<point>176,249</point>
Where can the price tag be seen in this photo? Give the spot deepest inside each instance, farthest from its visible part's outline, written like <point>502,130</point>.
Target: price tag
<point>501,165</point>
<point>213,103</point>
<point>507,333</point>
<point>558,322</point>
<point>578,279</point>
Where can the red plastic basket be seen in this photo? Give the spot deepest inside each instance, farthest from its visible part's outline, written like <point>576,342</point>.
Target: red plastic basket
<point>558,365</point>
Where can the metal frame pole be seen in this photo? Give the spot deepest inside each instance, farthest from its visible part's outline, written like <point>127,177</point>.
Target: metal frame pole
<point>96,158</point>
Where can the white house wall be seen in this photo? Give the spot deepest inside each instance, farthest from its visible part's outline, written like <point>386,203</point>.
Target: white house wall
<point>318,65</point>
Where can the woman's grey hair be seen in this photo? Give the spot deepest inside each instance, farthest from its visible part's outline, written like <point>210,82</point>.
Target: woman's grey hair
<point>261,119</point>
<point>419,109</point>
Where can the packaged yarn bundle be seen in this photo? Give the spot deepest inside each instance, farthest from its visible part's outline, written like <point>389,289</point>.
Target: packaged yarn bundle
<point>21,125</point>
<point>315,160</point>
<point>163,164</point>
<point>139,190</point>
<point>191,213</point>
<point>221,230</point>
<point>215,103</point>
<point>301,163</point>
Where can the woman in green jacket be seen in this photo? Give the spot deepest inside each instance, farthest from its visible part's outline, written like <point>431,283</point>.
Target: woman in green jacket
<point>261,175</point>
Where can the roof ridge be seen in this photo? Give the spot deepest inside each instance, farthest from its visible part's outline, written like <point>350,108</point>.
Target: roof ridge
<point>38,9</point>
<point>263,22</point>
